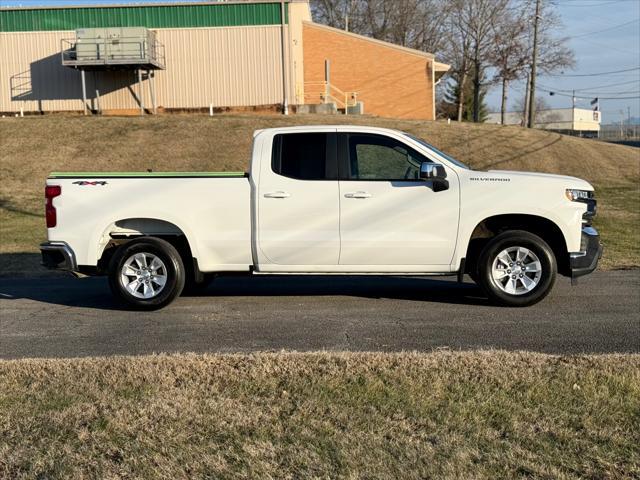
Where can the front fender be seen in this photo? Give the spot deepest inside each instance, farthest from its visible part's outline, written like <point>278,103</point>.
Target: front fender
<point>568,221</point>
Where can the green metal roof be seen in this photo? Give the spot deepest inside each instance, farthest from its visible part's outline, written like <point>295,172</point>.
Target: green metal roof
<point>150,16</point>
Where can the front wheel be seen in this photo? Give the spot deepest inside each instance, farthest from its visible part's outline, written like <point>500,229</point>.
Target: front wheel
<point>147,273</point>
<point>517,269</point>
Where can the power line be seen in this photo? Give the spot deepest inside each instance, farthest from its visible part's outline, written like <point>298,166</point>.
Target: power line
<point>605,86</point>
<point>591,93</point>
<point>627,92</point>
<point>604,29</point>
<point>608,47</point>
<point>592,88</point>
<point>590,5</point>
<point>594,74</point>
<point>600,98</point>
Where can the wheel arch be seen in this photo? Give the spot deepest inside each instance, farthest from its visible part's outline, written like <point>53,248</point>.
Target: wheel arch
<point>124,230</point>
<point>493,225</point>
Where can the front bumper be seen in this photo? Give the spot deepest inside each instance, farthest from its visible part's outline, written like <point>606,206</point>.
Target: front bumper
<point>58,255</point>
<point>586,261</point>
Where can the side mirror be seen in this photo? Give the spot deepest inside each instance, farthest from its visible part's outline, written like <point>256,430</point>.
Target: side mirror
<point>432,171</point>
<point>436,173</point>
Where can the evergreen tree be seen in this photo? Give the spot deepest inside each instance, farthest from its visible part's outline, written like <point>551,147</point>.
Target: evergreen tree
<point>450,102</point>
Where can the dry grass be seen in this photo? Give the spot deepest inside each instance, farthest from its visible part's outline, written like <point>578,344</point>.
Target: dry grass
<point>288,415</point>
<point>30,148</point>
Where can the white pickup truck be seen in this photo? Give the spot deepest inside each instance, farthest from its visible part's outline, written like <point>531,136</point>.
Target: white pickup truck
<point>323,200</point>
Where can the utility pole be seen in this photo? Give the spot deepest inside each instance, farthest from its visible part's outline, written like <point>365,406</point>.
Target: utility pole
<point>534,59</point>
<point>525,113</point>
<point>476,83</point>
<point>573,109</point>
<point>621,124</point>
<point>283,47</point>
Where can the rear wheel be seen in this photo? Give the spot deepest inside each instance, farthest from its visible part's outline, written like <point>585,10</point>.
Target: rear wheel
<point>147,273</point>
<point>517,269</point>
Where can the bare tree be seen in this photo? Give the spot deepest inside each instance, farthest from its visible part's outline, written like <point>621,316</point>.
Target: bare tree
<point>510,50</point>
<point>336,13</point>
<point>553,53</point>
<point>474,36</point>
<point>512,44</point>
<point>457,54</point>
<point>477,18</point>
<point>521,107</point>
<point>416,24</point>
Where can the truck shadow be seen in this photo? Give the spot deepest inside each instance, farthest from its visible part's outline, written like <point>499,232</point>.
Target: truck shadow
<point>94,292</point>
<point>363,286</point>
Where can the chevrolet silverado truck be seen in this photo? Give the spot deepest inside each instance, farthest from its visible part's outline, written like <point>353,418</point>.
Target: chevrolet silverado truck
<point>323,200</point>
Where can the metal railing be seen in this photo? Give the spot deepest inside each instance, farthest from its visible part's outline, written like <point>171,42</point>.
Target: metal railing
<point>325,92</point>
<point>110,51</point>
<point>620,131</point>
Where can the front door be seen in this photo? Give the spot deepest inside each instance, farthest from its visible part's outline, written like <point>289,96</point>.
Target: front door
<point>298,203</point>
<point>388,216</point>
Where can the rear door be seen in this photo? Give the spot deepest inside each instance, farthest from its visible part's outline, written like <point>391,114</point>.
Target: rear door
<point>388,215</point>
<point>298,203</point>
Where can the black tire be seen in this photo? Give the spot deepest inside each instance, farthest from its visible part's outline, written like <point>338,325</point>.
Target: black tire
<point>545,279</point>
<point>172,270</point>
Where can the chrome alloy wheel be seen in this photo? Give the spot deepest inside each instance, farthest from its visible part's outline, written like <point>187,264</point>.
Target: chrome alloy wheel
<point>143,275</point>
<point>516,270</point>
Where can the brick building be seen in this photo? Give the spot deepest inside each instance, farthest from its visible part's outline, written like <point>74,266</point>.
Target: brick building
<point>226,55</point>
<point>390,80</point>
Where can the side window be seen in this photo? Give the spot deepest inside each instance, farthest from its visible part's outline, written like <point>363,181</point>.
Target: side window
<point>375,157</point>
<point>303,156</point>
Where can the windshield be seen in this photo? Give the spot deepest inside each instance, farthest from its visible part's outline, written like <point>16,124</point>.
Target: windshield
<point>434,149</point>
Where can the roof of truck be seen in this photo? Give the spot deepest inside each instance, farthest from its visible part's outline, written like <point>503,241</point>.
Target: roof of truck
<point>340,128</point>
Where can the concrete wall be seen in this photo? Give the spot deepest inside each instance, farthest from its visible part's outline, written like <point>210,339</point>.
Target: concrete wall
<point>227,66</point>
<point>392,81</point>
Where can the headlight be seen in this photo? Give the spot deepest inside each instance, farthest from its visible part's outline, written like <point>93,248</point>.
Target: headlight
<point>579,195</point>
<point>587,197</point>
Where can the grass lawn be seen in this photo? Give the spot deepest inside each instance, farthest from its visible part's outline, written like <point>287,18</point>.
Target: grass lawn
<point>30,148</point>
<point>618,222</point>
<point>322,415</point>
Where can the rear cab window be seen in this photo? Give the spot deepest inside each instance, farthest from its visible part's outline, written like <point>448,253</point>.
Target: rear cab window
<point>305,156</point>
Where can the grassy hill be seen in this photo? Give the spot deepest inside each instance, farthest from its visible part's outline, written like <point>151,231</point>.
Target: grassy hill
<point>32,147</point>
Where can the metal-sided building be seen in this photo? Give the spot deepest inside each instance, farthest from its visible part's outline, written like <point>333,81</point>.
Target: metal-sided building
<point>574,121</point>
<point>226,55</point>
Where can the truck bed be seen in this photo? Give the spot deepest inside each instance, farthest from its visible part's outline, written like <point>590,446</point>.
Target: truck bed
<point>213,209</point>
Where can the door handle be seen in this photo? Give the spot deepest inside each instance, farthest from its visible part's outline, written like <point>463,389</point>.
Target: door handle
<point>277,195</point>
<point>358,195</point>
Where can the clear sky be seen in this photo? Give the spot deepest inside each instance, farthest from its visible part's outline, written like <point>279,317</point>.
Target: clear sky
<point>604,34</point>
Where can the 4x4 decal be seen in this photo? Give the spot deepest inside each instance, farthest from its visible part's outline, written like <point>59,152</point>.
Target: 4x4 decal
<point>85,182</point>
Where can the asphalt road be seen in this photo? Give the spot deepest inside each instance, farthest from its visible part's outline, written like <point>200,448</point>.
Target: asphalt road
<point>66,317</point>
